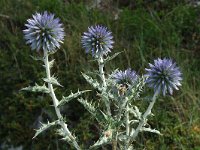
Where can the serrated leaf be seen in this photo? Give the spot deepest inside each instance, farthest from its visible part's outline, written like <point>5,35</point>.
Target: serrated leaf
<point>92,82</point>
<point>45,127</point>
<point>61,132</point>
<point>133,121</point>
<point>36,88</point>
<point>88,106</point>
<point>122,137</point>
<point>70,97</point>
<point>137,89</point>
<point>104,139</point>
<point>150,130</point>
<point>106,117</point>
<point>135,111</point>
<point>111,57</point>
<point>52,80</point>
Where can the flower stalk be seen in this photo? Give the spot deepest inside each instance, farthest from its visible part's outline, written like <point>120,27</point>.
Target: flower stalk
<point>127,127</point>
<point>146,114</point>
<point>104,85</point>
<point>55,103</point>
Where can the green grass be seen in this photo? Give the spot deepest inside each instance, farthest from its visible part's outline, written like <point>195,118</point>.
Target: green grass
<point>165,29</point>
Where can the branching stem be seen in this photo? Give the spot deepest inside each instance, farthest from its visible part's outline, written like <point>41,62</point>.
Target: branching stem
<point>55,103</point>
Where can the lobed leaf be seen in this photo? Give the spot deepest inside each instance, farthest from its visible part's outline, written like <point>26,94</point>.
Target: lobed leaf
<point>150,130</point>
<point>111,57</point>
<point>52,80</point>
<point>36,88</point>
<point>45,127</point>
<point>88,106</point>
<point>104,139</point>
<point>70,97</point>
<point>92,82</point>
<point>135,111</point>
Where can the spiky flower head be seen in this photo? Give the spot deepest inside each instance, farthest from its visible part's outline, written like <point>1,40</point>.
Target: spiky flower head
<point>98,40</point>
<point>163,76</point>
<point>125,80</point>
<point>44,31</point>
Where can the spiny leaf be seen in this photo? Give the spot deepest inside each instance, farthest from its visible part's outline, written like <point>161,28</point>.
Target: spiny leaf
<point>88,106</point>
<point>150,130</point>
<point>104,139</point>
<point>92,82</point>
<point>106,117</point>
<point>52,80</point>
<point>111,57</point>
<point>135,111</point>
<point>137,89</point>
<point>36,88</point>
<point>70,97</point>
<point>51,63</point>
<point>45,127</point>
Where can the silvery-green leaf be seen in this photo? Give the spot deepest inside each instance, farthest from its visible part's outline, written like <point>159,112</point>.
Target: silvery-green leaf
<point>133,121</point>
<point>51,63</point>
<point>132,132</point>
<point>70,97</point>
<point>122,137</point>
<point>45,127</point>
<point>137,88</point>
<point>92,82</point>
<point>88,106</point>
<point>61,132</point>
<point>111,57</point>
<point>106,117</point>
<point>135,111</point>
<point>150,130</point>
<point>52,80</point>
<point>104,139</point>
<point>36,88</point>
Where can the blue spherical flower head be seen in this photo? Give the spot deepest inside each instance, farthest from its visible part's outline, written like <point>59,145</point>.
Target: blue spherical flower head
<point>44,32</point>
<point>98,40</point>
<point>125,79</point>
<point>163,76</point>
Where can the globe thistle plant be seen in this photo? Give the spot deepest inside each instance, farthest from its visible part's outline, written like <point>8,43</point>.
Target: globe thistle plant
<point>118,115</point>
<point>44,31</point>
<point>97,40</point>
<point>163,76</point>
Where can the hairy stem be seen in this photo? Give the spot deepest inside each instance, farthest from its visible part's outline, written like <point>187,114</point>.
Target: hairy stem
<point>127,127</point>
<point>102,75</point>
<point>143,120</point>
<point>55,103</point>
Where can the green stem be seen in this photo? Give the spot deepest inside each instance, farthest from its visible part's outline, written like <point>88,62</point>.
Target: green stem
<point>55,103</point>
<point>143,120</point>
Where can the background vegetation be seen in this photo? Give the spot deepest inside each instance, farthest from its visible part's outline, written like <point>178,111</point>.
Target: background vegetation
<point>142,29</point>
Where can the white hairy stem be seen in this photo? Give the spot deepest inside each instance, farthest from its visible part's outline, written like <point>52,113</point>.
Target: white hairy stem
<point>144,117</point>
<point>55,103</point>
<point>102,75</point>
<point>127,127</point>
